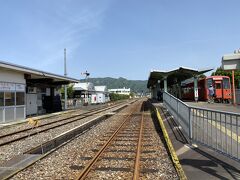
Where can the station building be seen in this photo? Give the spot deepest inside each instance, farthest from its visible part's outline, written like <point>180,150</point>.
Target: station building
<point>25,91</point>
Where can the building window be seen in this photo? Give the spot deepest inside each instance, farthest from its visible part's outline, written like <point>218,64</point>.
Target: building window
<point>20,98</point>
<point>1,98</point>
<point>9,98</point>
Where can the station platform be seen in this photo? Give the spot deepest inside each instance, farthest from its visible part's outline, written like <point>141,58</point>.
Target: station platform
<point>215,106</point>
<point>198,162</point>
<point>4,125</point>
<point>39,117</point>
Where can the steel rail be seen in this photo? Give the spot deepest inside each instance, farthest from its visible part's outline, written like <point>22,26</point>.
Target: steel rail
<point>52,127</point>
<point>136,172</point>
<point>88,167</point>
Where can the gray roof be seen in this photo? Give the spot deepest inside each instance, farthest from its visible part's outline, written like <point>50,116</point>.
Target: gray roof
<point>179,74</point>
<point>28,70</point>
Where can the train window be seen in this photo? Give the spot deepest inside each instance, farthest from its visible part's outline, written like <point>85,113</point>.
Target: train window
<point>218,86</point>
<point>226,84</point>
<point>209,82</point>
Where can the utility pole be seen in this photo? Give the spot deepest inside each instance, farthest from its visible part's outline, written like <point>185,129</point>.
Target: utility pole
<point>65,74</point>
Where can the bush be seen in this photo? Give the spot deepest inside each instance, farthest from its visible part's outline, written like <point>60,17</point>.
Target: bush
<point>115,97</point>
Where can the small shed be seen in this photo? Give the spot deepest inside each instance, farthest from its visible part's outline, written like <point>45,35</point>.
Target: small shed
<point>102,94</point>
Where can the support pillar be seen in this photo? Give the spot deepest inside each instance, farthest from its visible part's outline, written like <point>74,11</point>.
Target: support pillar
<point>165,84</point>
<point>196,88</point>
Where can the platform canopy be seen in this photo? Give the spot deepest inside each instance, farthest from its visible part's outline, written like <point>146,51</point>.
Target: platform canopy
<point>37,76</point>
<point>174,76</point>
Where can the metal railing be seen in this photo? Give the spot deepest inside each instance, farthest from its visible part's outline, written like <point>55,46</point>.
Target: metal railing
<point>216,129</point>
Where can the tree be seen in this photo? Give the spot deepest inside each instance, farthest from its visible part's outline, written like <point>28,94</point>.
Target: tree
<point>70,91</point>
<point>222,72</point>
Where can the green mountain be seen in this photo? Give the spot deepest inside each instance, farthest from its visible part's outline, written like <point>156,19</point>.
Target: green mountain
<point>136,86</point>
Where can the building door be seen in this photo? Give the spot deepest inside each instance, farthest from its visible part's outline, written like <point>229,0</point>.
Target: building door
<point>218,90</point>
<point>31,104</point>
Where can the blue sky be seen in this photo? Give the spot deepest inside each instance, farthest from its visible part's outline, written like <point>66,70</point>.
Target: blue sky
<point>118,38</point>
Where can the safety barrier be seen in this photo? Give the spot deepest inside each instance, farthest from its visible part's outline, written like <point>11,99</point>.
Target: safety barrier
<point>216,129</point>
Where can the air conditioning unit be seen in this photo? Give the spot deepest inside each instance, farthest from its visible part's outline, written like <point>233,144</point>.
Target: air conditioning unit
<point>31,90</point>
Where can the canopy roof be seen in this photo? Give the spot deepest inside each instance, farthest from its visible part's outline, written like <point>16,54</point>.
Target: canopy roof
<point>37,75</point>
<point>174,76</point>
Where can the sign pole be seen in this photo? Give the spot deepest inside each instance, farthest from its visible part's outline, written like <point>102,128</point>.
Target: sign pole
<point>233,88</point>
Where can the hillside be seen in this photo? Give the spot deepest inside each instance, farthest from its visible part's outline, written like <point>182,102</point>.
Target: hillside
<point>111,83</point>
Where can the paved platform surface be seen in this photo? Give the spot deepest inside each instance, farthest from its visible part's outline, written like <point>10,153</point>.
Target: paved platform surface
<point>39,117</point>
<point>198,162</point>
<point>216,106</point>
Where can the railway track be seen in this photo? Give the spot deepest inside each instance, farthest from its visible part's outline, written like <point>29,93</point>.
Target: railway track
<point>134,151</point>
<point>19,143</point>
<point>29,131</point>
<point>128,151</point>
<point>31,156</point>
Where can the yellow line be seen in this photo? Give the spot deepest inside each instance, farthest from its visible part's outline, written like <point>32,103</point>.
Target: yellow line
<point>173,154</point>
<point>222,128</point>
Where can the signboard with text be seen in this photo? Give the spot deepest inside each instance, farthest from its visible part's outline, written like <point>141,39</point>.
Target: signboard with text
<point>4,86</point>
<point>231,62</point>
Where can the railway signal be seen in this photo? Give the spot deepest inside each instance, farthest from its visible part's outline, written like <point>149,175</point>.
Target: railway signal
<point>87,74</point>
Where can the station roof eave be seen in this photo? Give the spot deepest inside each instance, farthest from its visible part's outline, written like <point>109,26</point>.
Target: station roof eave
<point>37,76</point>
<point>179,74</point>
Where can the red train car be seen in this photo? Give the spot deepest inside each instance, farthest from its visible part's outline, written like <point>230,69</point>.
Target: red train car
<point>221,86</point>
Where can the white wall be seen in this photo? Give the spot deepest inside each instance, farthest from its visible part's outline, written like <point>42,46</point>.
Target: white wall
<point>12,76</point>
<point>101,98</point>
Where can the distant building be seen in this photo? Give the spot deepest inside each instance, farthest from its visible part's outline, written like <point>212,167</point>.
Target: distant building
<point>101,94</point>
<point>90,93</point>
<point>120,91</point>
<point>84,91</point>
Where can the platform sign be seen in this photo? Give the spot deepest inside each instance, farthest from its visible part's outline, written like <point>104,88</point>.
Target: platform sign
<point>231,62</point>
<point>20,87</point>
<point>5,86</point>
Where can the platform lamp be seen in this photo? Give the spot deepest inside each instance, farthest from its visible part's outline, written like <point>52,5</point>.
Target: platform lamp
<point>231,62</point>
<point>86,74</point>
